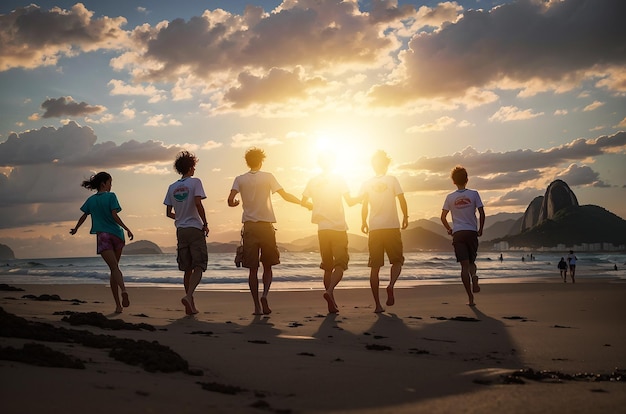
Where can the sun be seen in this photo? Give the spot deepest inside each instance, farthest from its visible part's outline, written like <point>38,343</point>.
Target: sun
<point>349,155</point>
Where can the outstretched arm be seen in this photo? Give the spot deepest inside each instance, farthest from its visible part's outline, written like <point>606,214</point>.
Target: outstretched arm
<point>405,211</point>
<point>293,199</point>
<point>80,222</point>
<point>350,201</point>
<point>119,221</point>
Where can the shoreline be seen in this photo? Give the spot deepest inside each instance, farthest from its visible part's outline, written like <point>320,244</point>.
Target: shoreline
<point>429,352</point>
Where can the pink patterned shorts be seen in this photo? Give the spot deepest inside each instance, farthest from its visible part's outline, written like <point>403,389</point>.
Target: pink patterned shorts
<point>108,241</point>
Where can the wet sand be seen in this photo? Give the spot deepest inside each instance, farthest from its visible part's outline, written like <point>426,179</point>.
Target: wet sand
<point>526,347</point>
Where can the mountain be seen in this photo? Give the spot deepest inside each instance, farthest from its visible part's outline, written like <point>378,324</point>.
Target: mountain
<point>500,229</point>
<point>356,243</point>
<point>142,247</point>
<point>418,239</point>
<point>573,225</point>
<point>558,196</point>
<point>6,252</point>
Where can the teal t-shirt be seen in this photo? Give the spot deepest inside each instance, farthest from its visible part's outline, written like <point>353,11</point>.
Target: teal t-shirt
<point>100,206</point>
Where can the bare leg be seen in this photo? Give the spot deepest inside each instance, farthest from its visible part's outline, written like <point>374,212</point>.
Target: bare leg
<point>396,268</point>
<point>374,281</point>
<point>475,287</point>
<point>253,283</point>
<point>329,295</point>
<point>465,277</point>
<point>268,275</point>
<point>573,275</point>
<point>111,258</point>
<point>191,282</point>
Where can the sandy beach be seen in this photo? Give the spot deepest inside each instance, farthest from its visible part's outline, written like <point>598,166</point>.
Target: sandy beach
<point>429,352</point>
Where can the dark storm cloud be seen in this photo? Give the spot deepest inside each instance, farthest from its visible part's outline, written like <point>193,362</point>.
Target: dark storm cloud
<point>519,41</point>
<point>67,106</point>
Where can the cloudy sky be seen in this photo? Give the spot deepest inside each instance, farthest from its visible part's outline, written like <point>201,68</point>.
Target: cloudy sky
<point>519,92</point>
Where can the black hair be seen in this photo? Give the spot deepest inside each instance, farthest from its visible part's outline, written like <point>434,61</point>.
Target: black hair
<point>96,180</point>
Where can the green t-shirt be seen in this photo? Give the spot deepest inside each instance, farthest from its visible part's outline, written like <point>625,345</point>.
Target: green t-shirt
<point>100,207</point>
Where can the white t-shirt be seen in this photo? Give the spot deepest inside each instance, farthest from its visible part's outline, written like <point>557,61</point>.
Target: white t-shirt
<point>256,188</point>
<point>463,204</point>
<point>382,192</point>
<point>182,196</point>
<point>326,191</point>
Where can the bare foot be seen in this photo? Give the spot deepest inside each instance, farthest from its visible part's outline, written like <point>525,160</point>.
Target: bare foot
<point>471,304</point>
<point>118,309</point>
<point>193,307</point>
<point>332,306</point>
<point>379,309</point>
<point>390,299</point>
<point>187,305</point>
<point>266,308</point>
<point>125,300</point>
<point>475,287</point>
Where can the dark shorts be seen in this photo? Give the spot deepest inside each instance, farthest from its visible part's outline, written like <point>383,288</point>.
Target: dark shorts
<point>385,241</point>
<point>259,245</point>
<point>465,244</point>
<point>191,249</point>
<point>108,241</point>
<point>333,249</point>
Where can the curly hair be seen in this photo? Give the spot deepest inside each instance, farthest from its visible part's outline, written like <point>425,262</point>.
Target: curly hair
<point>185,160</point>
<point>459,175</point>
<point>254,157</point>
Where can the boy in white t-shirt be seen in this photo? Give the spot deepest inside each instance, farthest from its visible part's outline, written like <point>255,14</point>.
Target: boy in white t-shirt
<point>379,201</point>
<point>256,188</point>
<point>327,191</point>
<point>465,229</point>
<point>183,203</point>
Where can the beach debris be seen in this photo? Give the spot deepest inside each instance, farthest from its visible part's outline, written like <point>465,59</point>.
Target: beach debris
<point>306,354</point>
<point>8,288</point>
<point>562,327</point>
<point>518,377</point>
<point>151,356</point>
<point>40,355</point>
<point>294,324</point>
<point>221,388</point>
<point>377,347</point>
<point>99,320</point>
<point>51,298</point>
<point>204,333</point>
<point>258,341</point>
<point>418,351</point>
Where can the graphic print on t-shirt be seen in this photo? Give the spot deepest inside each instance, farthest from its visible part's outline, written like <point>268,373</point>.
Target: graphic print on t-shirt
<point>181,193</point>
<point>462,202</point>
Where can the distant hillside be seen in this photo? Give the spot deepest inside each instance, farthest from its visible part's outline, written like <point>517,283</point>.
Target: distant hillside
<point>356,243</point>
<point>418,239</point>
<point>142,247</point>
<point>6,252</point>
<point>573,225</point>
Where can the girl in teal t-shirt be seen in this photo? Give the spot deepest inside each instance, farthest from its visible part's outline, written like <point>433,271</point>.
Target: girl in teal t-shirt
<point>108,227</point>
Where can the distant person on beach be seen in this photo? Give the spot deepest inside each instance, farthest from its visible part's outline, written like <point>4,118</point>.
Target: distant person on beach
<point>563,269</point>
<point>109,228</point>
<point>383,228</point>
<point>571,261</point>
<point>256,188</point>
<point>327,191</point>
<point>183,202</point>
<point>465,229</point>
<point>501,258</point>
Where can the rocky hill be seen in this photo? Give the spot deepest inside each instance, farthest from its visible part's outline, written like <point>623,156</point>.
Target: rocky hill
<point>142,247</point>
<point>6,253</point>
<point>557,218</point>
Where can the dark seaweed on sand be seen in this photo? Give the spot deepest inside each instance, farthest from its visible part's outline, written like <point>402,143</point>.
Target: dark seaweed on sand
<point>101,321</point>
<point>40,355</point>
<point>151,356</point>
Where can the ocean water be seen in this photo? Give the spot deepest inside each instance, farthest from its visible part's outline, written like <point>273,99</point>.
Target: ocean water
<point>300,271</point>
